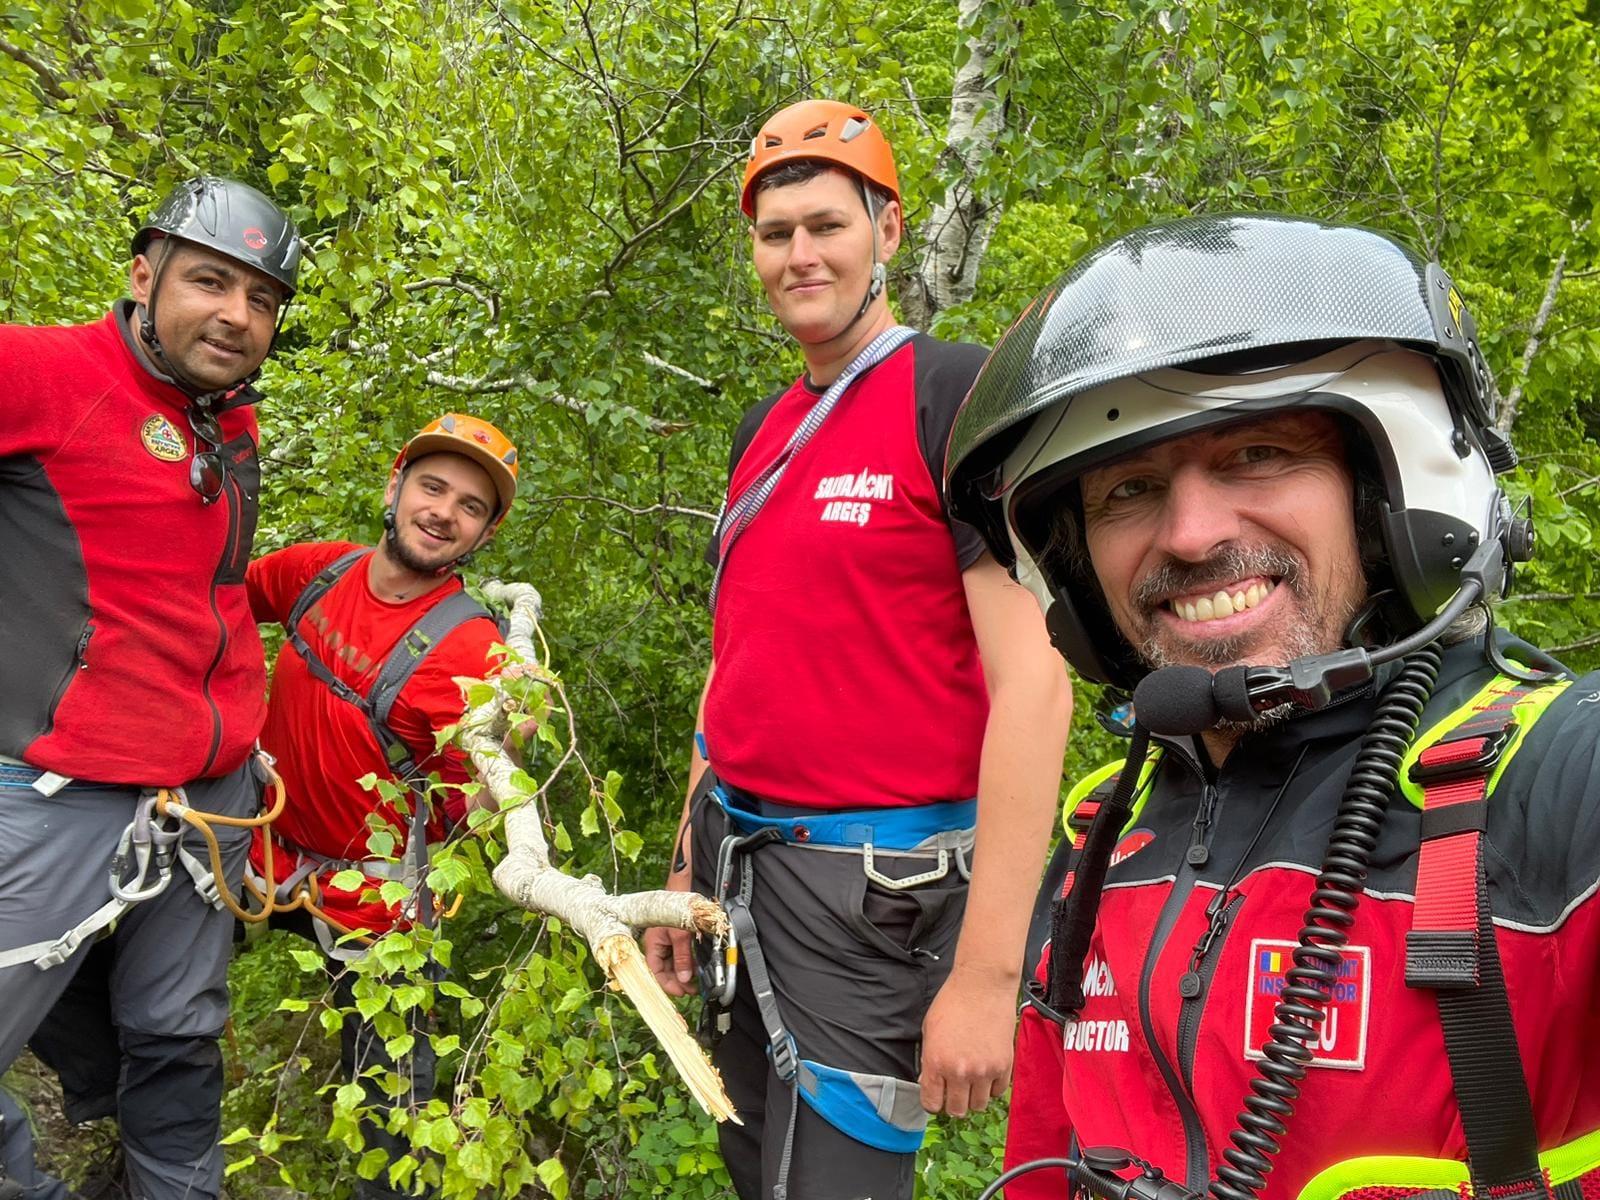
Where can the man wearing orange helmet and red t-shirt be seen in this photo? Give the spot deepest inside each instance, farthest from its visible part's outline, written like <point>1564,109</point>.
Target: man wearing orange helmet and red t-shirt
<point>377,639</point>
<point>870,727</point>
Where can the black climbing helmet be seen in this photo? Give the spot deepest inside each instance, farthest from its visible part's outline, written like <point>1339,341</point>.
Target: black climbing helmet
<point>231,218</point>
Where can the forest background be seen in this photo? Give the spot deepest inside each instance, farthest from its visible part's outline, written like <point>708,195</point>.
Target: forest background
<point>527,209</point>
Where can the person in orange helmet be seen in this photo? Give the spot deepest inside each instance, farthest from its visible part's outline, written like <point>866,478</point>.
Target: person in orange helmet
<point>377,638</point>
<point>861,748</point>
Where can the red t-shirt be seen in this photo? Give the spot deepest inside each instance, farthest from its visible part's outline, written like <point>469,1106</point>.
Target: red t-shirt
<point>323,744</point>
<point>847,672</point>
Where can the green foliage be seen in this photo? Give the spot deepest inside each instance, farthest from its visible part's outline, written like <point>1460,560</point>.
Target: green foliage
<point>528,211</point>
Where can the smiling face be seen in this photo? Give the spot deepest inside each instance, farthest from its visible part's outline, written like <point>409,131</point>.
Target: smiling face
<point>444,507</point>
<point>215,317</point>
<point>813,252</point>
<point>1233,545</point>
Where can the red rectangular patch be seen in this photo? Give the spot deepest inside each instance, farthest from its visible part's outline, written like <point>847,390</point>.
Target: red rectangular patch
<point>1342,1037</point>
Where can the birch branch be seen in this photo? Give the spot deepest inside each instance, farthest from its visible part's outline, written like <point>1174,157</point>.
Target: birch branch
<point>662,364</point>
<point>1508,408</point>
<point>1583,643</point>
<point>529,880</point>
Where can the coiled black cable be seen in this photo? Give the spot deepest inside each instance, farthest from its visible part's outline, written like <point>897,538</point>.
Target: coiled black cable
<point>1309,982</point>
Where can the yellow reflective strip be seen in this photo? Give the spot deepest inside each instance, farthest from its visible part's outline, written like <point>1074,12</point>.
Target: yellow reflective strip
<point>1080,790</point>
<point>1384,1171</point>
<point>1526,711</point>
<point>1570,1161</point>
<point>1574,1159</point>
<point>1086,786</point>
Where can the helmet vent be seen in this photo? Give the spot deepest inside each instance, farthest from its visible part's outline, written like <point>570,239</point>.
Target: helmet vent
<point>774,140</point>
<point>853,128</point>
<point>819,132</point>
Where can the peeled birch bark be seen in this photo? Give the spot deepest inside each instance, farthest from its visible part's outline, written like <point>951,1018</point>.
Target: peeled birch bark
<point>527,878</point>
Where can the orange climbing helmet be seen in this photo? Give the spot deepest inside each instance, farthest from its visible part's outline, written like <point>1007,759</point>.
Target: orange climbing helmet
<point>457,433</point>
<point>822,130</point>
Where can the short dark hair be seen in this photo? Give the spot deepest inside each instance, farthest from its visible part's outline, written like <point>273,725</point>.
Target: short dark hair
<point>806,169</point>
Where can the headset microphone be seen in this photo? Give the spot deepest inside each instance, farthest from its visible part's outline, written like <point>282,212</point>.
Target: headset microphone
<point>1176,701</point>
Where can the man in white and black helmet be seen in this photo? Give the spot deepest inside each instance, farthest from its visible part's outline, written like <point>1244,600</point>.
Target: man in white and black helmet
<point>128,489</point>
<point>1332,928</point>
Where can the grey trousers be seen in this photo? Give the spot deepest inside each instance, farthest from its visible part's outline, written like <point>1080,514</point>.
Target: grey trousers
<point>166,967</point>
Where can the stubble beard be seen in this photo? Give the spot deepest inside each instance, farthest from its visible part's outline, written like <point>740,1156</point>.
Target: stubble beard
<point>416,563</point>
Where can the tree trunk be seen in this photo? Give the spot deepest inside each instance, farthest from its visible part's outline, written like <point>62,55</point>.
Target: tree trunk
<point>956,234</point>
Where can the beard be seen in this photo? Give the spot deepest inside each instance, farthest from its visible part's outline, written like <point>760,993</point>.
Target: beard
<point>1317,628</point>
<point>419,563</point>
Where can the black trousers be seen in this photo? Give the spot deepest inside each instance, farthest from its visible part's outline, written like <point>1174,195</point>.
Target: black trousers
<point>854,967</point>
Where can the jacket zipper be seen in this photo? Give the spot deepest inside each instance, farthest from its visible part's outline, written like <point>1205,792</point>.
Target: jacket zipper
<point>1195,983</point>
<point>229,550</point>
<point>1197,1165</point>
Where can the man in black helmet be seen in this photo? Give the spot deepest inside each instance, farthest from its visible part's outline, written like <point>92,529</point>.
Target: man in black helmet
<point>134,674</point>
<point>1332,928</point>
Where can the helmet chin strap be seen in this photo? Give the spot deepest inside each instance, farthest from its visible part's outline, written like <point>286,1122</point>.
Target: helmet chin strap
<point>880,273</point>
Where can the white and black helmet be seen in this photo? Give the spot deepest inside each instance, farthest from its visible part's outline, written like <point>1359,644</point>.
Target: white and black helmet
<point>1201,322</point>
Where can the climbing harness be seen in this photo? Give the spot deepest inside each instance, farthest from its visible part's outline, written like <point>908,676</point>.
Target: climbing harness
<point>142,866</point>
<point>878,1110</point>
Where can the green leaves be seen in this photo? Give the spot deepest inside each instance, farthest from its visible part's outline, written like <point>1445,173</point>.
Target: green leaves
<point>520,210</point>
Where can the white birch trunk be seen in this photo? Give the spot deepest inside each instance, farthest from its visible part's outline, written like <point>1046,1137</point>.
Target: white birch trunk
<point>956,235</point>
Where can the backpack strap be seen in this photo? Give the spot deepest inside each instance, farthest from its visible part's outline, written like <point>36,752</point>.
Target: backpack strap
<point>1451,949</point>
<point>421,640</point>
<point>1083,804</point>
<point>1078,811</point>
<point>309,595</point>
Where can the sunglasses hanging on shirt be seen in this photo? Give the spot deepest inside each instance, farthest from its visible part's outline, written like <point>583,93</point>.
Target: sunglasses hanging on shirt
<point>208,471</point>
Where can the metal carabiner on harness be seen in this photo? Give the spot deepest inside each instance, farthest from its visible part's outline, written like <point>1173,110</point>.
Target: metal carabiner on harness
<point>718,961</point>
<point>143,841</point>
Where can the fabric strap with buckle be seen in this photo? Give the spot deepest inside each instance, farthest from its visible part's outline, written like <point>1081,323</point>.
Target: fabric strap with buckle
<point>1451,949</point>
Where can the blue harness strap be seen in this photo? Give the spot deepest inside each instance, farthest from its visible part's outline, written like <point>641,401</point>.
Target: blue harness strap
<point>922,827</point>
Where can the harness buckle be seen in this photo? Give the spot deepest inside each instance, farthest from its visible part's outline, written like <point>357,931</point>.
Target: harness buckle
<point>1448,764</point>
<point>910,881</point>
<point>786,1059</point>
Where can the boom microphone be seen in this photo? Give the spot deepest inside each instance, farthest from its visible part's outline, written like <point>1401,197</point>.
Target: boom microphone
<point>1176,701</point>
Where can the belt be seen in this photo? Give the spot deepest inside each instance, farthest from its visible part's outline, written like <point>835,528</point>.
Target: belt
<point>928,831</point>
